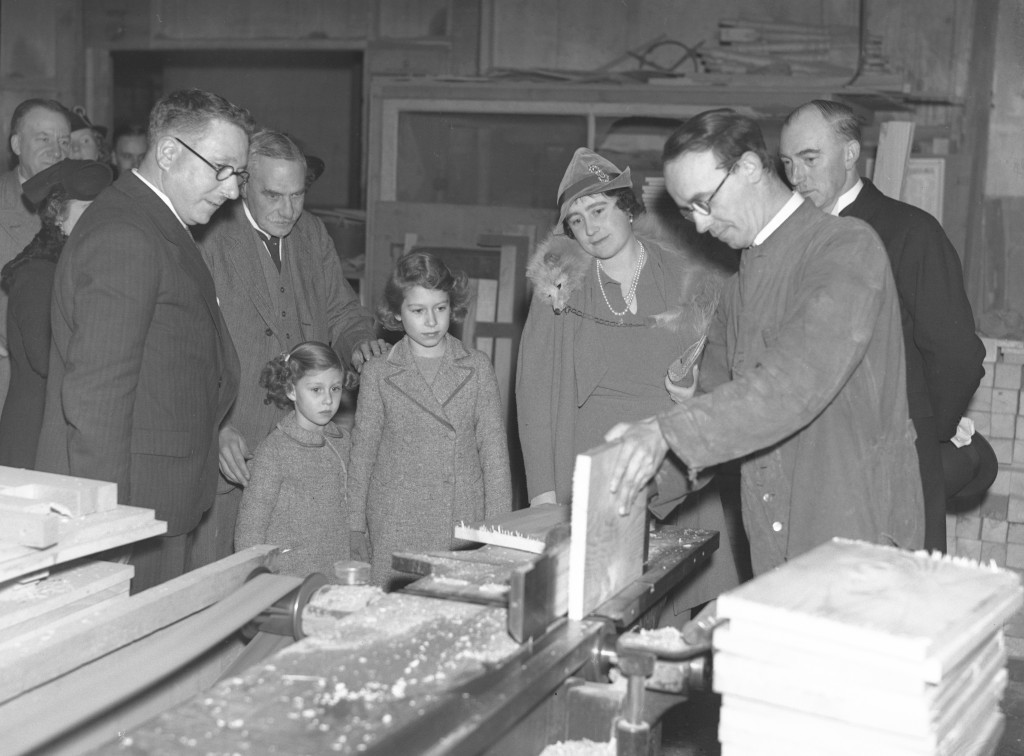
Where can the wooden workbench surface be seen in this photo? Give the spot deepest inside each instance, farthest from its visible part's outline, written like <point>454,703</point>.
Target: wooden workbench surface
<point>367,674</point>
<point>381,668</point>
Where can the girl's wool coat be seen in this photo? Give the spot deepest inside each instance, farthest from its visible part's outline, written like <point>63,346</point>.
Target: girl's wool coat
<point>296,498</point>
<point>426,457</point>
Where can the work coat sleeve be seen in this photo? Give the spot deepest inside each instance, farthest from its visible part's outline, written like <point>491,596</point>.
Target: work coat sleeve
<point>829,320</point>
<point>714,362</point>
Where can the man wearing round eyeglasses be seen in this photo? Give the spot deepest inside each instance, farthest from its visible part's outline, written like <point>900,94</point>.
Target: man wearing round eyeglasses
<point>142,367</point>
<point>803,377</point>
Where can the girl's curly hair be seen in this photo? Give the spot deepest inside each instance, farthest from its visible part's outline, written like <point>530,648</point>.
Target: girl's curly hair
<point>282,372</point>
<point>426,270</point>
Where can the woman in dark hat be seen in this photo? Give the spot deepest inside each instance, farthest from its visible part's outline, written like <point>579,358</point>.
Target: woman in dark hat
<point>88,141</point>
<point>61,193</point>
<point>616,303</point>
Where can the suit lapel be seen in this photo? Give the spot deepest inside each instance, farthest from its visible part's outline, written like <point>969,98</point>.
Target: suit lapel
<point>184,251</point>
<point>866,204</point>
<point>248,265</point>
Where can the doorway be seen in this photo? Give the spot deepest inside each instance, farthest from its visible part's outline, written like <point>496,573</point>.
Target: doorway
<point>314,96</point>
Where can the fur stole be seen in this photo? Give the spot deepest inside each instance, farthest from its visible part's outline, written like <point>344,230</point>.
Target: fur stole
<point>558,268</point>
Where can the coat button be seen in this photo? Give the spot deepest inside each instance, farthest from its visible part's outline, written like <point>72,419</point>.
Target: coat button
<point>777,526</point>
<point>269,332</point>
<point>220,382</point>
<point>767,497</point>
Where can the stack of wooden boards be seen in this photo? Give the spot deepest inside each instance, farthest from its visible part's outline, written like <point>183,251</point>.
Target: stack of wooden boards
<point>48,524</point>
<point>48,519</point>
<point>855,648</point>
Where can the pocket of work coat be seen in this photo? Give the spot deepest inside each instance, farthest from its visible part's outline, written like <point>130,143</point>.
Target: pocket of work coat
<point>165,443</point>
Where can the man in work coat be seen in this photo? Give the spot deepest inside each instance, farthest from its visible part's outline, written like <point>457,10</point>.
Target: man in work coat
<point>820,146</point>
<point>279,282</point>
<point>142,369</point>
<point>804,371</point>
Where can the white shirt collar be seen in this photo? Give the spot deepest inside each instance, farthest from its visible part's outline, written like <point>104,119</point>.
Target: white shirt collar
<point>794,201</point>
<point>252,220</point>
<point>846,198</point>
<point>161,195</point>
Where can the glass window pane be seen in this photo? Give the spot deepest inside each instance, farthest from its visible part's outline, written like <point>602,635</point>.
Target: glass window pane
<point>485,159</point>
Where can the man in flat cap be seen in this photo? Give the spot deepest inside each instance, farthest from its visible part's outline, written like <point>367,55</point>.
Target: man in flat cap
<point>39,137</point>
<point>142,369</point>
<point>280,282</point>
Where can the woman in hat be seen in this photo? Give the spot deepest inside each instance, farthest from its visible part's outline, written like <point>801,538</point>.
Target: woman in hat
<point>60,193</point>
<point>613,309</point>
<point>88,141</point>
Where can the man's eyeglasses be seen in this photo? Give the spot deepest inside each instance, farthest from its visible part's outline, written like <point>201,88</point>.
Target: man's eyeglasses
<point>703,207</point>
<point>223,171</point>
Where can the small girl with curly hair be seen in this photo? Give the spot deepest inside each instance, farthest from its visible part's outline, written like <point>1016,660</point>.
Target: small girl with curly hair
<point>429,446</point>
<point>296,497</point>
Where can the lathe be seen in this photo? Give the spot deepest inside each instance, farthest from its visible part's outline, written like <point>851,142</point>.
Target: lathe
<point>469,658</point>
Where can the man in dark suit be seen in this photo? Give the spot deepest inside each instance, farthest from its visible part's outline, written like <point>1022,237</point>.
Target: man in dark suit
<point>279,281</point>
<point>142,369</point>
<point>819,147</point>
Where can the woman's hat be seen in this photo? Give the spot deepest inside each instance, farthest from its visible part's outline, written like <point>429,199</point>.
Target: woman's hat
<point>588,173</point>
<point>314,168</point>
<point>79,120</point>
<point>81,179</point>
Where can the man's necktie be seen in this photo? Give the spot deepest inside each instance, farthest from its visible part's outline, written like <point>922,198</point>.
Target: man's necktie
<point>273,247</point>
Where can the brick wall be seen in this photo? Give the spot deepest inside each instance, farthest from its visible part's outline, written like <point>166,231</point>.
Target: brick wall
<point>995,530</point>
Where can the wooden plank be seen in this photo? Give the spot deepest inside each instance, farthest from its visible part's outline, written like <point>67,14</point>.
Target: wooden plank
<point>32,602</point>
<point>84,536</point>
<point>869,599</point>
<point>455,579</point>
<point>539,592</point>
<point>422,650</point>
<point>28,522</point>
<point>69,643</point>
<point>69,494</point>
<point>895,139</point>
<point>102,601</point>
<point>104,682</point>
<point>606,552</point>
<point>523,529</point>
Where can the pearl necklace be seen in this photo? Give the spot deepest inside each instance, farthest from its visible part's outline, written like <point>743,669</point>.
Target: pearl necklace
<point>628,299</point>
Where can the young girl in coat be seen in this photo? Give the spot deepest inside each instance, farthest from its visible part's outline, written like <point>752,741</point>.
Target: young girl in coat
<point>296,497</point>
<point>429,448</point>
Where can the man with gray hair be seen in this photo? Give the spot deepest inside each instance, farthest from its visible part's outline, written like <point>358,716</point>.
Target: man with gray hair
<point>280,282</point>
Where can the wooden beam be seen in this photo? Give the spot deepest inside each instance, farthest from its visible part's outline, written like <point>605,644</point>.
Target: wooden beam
<point>70,643</point>
<point>975,148</point>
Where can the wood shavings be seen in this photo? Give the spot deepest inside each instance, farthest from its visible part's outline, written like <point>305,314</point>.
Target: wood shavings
<point>580,748</point>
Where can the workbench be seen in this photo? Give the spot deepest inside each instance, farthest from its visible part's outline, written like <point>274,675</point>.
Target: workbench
<point>414,674</point>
